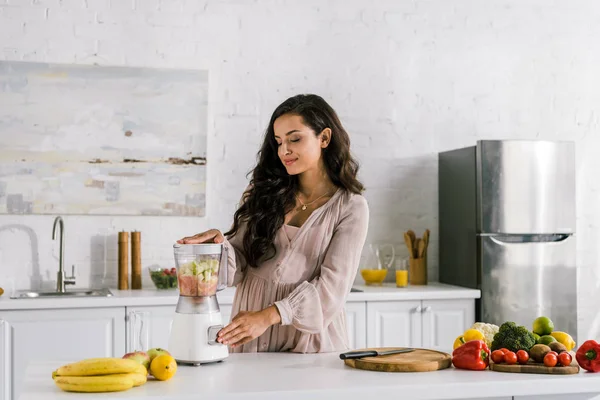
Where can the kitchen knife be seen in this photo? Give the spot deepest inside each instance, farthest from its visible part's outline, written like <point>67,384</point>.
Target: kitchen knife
<point>371,353</point>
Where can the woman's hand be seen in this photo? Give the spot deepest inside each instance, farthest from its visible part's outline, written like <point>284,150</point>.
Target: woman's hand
<point>210,236</point>
<point>248,325</point>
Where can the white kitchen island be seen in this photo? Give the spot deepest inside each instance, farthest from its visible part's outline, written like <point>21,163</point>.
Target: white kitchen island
<point>264,376</point>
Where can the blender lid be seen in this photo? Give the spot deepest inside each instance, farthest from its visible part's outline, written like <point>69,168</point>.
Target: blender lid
<point>202,248</point>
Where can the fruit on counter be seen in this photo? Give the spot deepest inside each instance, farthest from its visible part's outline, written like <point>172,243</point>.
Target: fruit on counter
<point>538,352</point>
<point>565,359</point>
<point>467,336</point>
<point>537,337</point>
<point>140,356</point>
<point>94,384</point>
<point>550,359</point>
<point>557,347</point>
<point>1,291</point>
<point>498,356</point>
<point>98,366</point>
<point>522,357</point>
<point>488,330</point>
<point>155,352</point>
<point>588,356</point>
<point>510,358</point>
<point>95,375</point>
<point>513,337</point>
<point>163,367</point>
<point>473,355</point>
<point>543,326</point>
<point>164,278</point>
<point>564,338</point>
<point>546,339</point>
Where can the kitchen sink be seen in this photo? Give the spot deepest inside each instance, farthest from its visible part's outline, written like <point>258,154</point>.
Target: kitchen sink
<point>31,294</point>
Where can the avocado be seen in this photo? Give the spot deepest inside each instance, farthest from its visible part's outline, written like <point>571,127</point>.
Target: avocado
<point>538,351</point>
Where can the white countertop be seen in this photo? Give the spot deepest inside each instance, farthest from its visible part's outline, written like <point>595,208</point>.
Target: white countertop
<point>320,376</point>
<point>153,297</point>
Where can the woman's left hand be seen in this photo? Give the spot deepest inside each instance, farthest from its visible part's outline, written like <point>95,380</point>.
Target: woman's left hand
<point>247,326</point>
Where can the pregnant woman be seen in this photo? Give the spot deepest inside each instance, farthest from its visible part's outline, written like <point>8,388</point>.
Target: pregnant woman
<point>297,237</point>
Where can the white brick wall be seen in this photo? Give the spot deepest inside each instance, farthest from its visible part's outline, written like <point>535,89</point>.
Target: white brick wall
<point>409,79</point>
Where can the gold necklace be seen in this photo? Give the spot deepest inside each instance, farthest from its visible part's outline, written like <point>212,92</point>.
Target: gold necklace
<point>304,206</point>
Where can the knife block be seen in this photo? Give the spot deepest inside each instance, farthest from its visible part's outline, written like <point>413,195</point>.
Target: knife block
<point>417,271</point>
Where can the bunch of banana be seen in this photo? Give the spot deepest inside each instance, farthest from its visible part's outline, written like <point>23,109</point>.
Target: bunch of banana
<point>100,375</point>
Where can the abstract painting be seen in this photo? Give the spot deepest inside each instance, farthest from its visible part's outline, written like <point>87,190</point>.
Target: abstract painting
<point>100,140</point>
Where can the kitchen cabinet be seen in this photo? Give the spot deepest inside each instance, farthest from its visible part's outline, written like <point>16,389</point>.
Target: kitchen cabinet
<point>432,324</point>
<point>356,323</point>
<point>4,361</point>
<point>64,335</point>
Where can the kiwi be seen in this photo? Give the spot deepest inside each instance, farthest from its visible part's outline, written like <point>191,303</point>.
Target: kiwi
<point>557,347</point>
<point>538,351</point>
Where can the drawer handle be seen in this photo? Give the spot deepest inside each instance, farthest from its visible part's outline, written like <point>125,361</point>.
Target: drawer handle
<point>427,309</point>
<point>418,309</point>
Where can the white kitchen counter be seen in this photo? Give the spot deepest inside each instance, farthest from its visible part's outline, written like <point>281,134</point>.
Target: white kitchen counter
<point>324,376</point>
<point>152,297</point>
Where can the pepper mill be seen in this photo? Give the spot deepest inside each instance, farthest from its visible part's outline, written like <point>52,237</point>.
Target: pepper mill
<point>123,283</point>
<point>136,260</point>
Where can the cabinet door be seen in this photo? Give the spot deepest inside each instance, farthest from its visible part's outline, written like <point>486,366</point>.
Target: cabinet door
<point>394,324</point>
<point>4,361</point>
<point>63,336</point>
<point>356,322</point>
<point>444,320</point>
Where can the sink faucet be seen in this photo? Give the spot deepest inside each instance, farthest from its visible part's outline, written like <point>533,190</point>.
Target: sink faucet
<point>61,279</point>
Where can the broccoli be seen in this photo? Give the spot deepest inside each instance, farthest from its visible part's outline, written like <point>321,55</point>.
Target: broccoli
<point>513,338</point>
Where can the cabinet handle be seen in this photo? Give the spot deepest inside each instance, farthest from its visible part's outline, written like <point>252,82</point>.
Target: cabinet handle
<point>418,309</point>
<point>427,309</point>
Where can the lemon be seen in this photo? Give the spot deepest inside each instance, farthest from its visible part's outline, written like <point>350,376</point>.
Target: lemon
<point>163,367</point>
<point>543,326</point>
<point>1,291</point>
<point>473,334</point>
<point>564,338</point>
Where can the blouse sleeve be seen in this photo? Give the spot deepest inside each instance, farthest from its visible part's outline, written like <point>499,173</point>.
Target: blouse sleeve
<point>312,305</point>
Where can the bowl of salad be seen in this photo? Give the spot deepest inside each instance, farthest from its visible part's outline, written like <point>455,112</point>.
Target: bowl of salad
<point>163,278</point>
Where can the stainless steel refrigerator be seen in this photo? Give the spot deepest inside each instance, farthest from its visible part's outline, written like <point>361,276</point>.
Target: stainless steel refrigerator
<point>507,227</point>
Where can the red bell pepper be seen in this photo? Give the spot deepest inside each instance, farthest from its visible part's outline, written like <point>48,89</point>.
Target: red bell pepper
<point>588,356</point>
<point>474,355</point>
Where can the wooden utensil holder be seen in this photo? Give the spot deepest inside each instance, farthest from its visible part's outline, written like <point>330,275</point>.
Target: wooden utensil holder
<point>417,271</point>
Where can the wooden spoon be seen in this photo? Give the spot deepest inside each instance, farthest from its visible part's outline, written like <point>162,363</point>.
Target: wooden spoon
<point>421,248</point>
<point>409,244</point>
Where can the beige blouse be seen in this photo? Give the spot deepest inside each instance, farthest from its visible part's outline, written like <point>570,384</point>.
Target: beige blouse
<point>308,280</point>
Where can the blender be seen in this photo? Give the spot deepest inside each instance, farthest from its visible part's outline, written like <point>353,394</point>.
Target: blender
<point>201,272</point>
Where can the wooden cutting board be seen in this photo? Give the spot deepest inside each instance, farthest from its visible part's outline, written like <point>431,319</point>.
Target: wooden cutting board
<point>420,360</point>
<point>536,368</point>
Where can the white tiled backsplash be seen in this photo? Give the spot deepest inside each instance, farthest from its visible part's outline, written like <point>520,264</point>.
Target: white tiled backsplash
<point>408,78</point>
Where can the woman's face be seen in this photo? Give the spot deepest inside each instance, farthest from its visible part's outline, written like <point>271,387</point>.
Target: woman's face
<point>299,148</point>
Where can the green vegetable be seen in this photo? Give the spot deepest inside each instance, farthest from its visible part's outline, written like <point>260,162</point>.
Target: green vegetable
<point>513,337</point>
<point>163,281</point>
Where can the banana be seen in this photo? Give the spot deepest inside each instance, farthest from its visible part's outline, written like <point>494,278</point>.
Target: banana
<point>95,384</point>
<point>141,370</point>
<point>98,366</point>
<point>138,379</point>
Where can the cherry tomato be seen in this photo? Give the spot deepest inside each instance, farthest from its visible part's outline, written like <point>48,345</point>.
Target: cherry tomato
<point>173,271</point>
<point>553,352</point>
<point>565,358</point>
<point>510,358</point>
<point>522,356</point>
<point>550,359</point>
<point>504,350</point>
<point>498,356</point>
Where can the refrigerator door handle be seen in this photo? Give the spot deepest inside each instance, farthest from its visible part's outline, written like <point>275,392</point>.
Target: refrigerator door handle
<point>525,239</point>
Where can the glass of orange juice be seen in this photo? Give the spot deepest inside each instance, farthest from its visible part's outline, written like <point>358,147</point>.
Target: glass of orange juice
<point>402,273</point>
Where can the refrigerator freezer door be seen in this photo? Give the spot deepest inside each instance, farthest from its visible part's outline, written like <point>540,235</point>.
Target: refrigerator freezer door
<point>526,187</point>
<point>524,277</point>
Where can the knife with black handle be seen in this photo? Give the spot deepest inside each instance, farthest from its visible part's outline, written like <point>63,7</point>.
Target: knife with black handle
<point>371,353</point>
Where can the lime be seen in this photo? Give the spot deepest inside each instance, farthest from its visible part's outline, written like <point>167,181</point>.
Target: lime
<point>543,326</point>
<point>537,338</point>
<point>547,339</point>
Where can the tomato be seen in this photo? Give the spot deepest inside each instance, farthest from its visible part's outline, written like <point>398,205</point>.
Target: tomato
<point>565,358</point>
<point>550,359</point>
<point>522,356</point>
<point>498,356</point>
<point>173,271</point>
<point>504,350</point>
<point>553,352</point>
<point>510,358</point>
